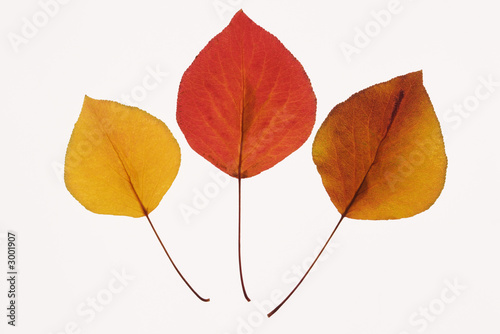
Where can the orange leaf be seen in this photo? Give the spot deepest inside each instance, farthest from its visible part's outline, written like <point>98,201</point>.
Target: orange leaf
<point>381,154</point>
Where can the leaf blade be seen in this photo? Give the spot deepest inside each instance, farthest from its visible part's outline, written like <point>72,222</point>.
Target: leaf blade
<point>381,153</point>
<point>120,160</point>
<point>245,103</point>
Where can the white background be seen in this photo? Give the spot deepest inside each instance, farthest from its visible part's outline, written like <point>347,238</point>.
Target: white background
<point>379,278</point>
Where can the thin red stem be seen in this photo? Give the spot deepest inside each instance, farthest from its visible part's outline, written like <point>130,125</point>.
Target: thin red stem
<point>239,240</point>
<point>308,270</point>
<point>175,267</point>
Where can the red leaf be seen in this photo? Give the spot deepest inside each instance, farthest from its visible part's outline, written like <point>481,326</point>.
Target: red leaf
<point>245,103</point>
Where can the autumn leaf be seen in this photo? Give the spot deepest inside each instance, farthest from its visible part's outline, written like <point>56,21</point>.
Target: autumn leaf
<point>381,154</point>
<point>121,161</point>
<point>245,103</point>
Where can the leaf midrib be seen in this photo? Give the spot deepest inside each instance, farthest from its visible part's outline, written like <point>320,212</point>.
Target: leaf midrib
<point>394,113</point>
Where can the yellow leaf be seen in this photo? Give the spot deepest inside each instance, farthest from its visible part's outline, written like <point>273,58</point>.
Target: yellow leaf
<point>120,159</point>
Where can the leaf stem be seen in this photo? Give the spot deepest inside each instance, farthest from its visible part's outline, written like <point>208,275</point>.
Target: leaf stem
<point>308,270</point>
<point>239,239</point>
<point>175,267</point>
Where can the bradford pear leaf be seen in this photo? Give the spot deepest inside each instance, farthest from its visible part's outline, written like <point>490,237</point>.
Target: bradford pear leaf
<point>381,153</point>
<point>121,161</point>
<point>245,103</point>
